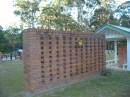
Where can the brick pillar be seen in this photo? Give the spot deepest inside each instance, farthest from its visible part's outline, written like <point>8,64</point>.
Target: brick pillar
<point>31,57</point>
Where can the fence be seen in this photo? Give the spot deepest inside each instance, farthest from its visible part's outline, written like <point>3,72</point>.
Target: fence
<point>54,58</point>
<point>8,57</point>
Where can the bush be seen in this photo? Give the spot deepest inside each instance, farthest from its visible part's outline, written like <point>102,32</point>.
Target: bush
<point>106,72</point>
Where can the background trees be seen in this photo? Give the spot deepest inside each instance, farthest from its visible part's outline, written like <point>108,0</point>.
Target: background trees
<point>100,17</point>
<point>58,14</point>
<point>27,10</point>
<point>64,15</point>
<point>2,40</point>
<point>10,40</point>
<point>38,13</point>
<point>55,18</point>
<point>123,11</point>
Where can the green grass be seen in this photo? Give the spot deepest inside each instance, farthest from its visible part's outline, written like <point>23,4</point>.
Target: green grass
<point>11,78</point>
<point>116,85</point>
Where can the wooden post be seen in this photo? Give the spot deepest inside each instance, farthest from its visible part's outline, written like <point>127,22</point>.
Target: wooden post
<point>128,54</point>
<point>115,52</point>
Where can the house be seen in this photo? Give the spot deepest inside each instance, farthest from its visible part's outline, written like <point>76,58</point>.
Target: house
<point>118,45</point>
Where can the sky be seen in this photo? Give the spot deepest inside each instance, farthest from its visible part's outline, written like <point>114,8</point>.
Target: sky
<point>7,17</point>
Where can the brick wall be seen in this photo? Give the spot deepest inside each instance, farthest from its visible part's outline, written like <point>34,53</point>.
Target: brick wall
<point>54,58</point>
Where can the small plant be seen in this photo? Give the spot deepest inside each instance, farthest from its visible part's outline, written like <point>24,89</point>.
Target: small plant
<point>106,72</point>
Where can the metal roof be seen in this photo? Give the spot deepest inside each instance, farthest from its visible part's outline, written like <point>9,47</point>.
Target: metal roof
<point>118,29</point>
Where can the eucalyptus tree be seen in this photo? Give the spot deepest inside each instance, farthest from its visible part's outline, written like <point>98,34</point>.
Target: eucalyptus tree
<point>48,14</point>
<point>103,14</point>
<point>27,10</point>
<point>125,20</point>
<point>124,8</point>
<point>10,39</point>
<point>86,10</point>
<point>2,40</point>
<point>100,17</point>
<point>13,37</point>
<point>57,14</point>
<point>124,12</point>
<point>54,18</point>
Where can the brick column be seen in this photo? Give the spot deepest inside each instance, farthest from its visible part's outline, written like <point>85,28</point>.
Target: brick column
<point>31,53</point>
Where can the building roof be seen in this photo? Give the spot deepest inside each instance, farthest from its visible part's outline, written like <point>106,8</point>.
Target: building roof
<point>118,29</point>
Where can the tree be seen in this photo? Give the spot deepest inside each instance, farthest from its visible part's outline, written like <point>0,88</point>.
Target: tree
<point>57,14</point>
<point>27,11</point>
<point>1,28</point>
<point>124,11</point>
<point>86,9</point>
<point>103,14</point>
<point>83,14</point>
<point>14,37</point>
<point>53,18</point>
<point>100,17</point>
<point>125,21</point>
<point>10,39</point>
<point>113,20</point>
<point>2,40</point>
<point>124,8</point>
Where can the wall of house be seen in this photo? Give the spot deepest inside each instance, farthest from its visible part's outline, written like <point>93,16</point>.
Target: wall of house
<point>54,58</point>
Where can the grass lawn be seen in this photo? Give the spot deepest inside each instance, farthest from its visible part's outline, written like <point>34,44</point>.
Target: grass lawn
<point>117,85</point>
<point>11,78</point>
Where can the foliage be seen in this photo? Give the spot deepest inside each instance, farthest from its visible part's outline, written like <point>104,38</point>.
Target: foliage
<point>100,17</point>
<point>108,4</point>
<point>106,72</point>
<point>122,43</point>
<point>123,10</point>
<point>125,21</point>
<point>53,18</point>
<point>14,36</point>
<point>48,16</point>
<point>52,14</point>
<point>57,14</point>
<point>85,10</point>
<point>10,40</point>
<point>2,41</point>
<point>113,20</point>
<point>27,11</point>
